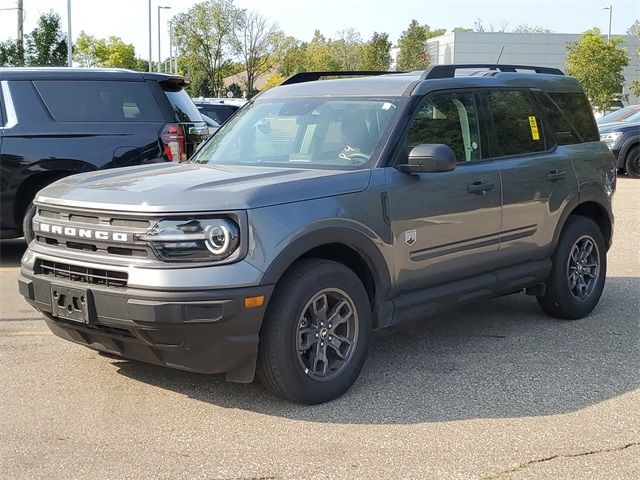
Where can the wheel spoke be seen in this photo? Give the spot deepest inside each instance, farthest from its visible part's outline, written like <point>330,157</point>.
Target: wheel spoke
<point>319,308</point>
<point>306,338</point>
<point>341,314</point>
<point>338,344</point>
<point>320,363</point>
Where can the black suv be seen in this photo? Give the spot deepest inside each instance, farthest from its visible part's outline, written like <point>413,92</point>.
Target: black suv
<point>324,209</point>
<point>55,122</point>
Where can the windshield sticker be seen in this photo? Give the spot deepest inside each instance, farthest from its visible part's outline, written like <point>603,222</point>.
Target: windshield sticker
<point>535,134</point>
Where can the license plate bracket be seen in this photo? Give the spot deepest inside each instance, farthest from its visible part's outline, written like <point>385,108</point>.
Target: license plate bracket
<point>71,303</point>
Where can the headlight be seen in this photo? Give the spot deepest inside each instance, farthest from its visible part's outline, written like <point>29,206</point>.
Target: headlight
<point>196,240</point>
<point>610,138</point>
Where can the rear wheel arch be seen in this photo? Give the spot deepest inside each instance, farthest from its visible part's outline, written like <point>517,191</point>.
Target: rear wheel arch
<point>592,209</point>
<point>30,187</point>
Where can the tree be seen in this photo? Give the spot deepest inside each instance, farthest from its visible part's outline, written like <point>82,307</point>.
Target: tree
<point>114,53</point>
<point>273,80</point>
<point>253,42</point>
<point>202,35</point>
<point>376,53</point>
<point>526,28</point>
<point>319,55</point>
<point>84,50</point>
<point>346,49</point>
<point>634,30</point>
<point>413,46</point>
<point>11,54</point>
<point>46,44</point>
<point>289,54</point>
<point>462,30</point>
<point>598,65</point>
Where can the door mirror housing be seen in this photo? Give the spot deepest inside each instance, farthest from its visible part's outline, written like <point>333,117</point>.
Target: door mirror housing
<point>429,158</point>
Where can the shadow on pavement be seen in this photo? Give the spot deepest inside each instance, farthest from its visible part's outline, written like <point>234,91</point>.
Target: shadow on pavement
<point>498,359</point>
<point>11,252</point>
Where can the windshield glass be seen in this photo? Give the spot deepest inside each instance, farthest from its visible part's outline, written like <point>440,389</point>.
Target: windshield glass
<point>302,132</point>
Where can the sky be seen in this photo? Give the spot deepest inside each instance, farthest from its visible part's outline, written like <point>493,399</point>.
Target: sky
<point>128,19</point>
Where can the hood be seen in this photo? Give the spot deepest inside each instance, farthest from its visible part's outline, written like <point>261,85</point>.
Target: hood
<point>191,187</point>
<point>619,127</point>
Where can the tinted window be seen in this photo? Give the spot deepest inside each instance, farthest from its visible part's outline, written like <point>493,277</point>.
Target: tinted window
<point>184,107</point>
<point>577,109</point>
<point>559,124</point>
<point>98,101</point>
<point>220,113</point>
<point>449,119</point>
<point>516,126</point>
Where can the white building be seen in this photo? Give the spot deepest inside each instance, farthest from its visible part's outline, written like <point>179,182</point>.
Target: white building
<point>541,49</point>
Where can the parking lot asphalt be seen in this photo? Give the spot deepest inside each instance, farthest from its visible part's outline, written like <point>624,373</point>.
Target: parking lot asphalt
<point>493,391</point>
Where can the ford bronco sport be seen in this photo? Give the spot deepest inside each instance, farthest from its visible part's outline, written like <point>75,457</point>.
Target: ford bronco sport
<point>328,208</point>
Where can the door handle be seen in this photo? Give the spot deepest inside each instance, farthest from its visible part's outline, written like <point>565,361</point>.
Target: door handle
<point>479,187</point>
<point>556,175</point>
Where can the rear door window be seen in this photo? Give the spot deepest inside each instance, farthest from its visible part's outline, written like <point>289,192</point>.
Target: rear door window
<point>183,106</point>
<point>517,128</point>
<point>560,126</point>
<point>98,101</point>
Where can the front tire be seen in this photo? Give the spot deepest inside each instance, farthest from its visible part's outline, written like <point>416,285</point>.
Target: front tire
<point>632,162</point>
<point>578,273</point>
<point>316,333</point>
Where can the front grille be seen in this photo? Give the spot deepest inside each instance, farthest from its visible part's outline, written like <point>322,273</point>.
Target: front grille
<point>75,273</point>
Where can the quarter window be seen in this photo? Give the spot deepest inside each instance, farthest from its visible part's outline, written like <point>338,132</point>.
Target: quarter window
<point>577,109</point>
<point>450,119</point>
<point>98,101</point>
<point>558,122</point>
<point>516,124</point>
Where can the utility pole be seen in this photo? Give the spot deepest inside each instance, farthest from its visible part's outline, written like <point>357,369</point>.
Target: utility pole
<point>610,8</point>
<point>149,35</point>
<point>69,39</point>
<point>20,22</point>
<point>159,57</point>
<point>171,46</point>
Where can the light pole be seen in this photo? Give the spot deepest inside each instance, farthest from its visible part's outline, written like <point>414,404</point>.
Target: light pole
<point>69,41</point>
<point>171,46</point>
<point>610,8</point>
<point>160,7</point>
<point>149,35</point>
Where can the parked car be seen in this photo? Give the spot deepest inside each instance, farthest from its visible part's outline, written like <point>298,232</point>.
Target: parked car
<point>619,115</point>
<point>327,208</point>
<point>59,121</point>
<point>219,109</point>
<point>623,139</point>
<point>212,125</point>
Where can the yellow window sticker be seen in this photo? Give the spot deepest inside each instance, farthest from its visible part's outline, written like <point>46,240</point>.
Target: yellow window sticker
<point>535,134</point>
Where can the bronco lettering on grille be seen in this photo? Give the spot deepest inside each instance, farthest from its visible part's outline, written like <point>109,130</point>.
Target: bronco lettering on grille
<point>80,232</point>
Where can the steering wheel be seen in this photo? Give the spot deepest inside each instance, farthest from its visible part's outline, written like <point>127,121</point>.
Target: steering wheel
<point>360,155</point>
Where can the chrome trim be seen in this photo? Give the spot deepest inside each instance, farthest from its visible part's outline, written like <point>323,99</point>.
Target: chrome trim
<point>12,118</point>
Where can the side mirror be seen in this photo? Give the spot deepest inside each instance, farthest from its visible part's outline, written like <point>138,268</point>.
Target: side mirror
<point>429,158</point>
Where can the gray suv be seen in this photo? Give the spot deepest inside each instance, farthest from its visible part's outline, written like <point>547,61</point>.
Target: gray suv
<point>325,209</point>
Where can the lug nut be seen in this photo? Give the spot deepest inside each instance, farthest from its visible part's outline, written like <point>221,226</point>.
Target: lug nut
<point>322,324</point>
<point>317,335</point>
<point>330,338</point>
<point>329,325</point>
<point>322,344</point>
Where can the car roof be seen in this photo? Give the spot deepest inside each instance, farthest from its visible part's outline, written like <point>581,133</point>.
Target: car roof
<point>61,73</point>
<point>414,83</point>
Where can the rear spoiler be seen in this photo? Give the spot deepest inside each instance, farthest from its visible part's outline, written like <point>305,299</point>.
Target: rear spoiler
<point>167,81</point>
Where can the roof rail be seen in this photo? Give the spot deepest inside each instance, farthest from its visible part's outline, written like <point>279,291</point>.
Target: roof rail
<point>313,76</point>
<point>449,71</point>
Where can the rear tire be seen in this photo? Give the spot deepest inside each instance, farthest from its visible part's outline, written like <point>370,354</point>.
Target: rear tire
<point>27,223</point>
<point>578,273</point>
<point>316,333</point>
<point>632,162</point>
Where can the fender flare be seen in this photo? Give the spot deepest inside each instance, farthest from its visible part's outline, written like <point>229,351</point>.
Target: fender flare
<point>364,245</point>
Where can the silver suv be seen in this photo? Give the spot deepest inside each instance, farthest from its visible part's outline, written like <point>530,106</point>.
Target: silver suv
<point>325,209</point>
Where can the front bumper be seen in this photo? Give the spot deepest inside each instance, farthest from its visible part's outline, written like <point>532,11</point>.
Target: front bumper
<point>205,331</point>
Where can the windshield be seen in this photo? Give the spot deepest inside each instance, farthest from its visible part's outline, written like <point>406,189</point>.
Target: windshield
<point>302,132</point>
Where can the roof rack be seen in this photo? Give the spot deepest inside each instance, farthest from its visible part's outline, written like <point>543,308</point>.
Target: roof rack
<point>313,76</point>
<point>449,71</point>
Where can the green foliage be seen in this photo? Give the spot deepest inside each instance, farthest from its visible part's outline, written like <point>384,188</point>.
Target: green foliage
<point>346,50</point>
<point>598,65</point>
<point>112,53</point>
<point>376,53</point>
<point>11,54</point>
<point>235,89</point>
<point>319,55</point>
<point>289,55</point>
<point>634,30</point>
<point>461,30</point>
<point>203,36</point>
<point>413,46</point>
<point>526,28</point>
<point>46,44</point>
